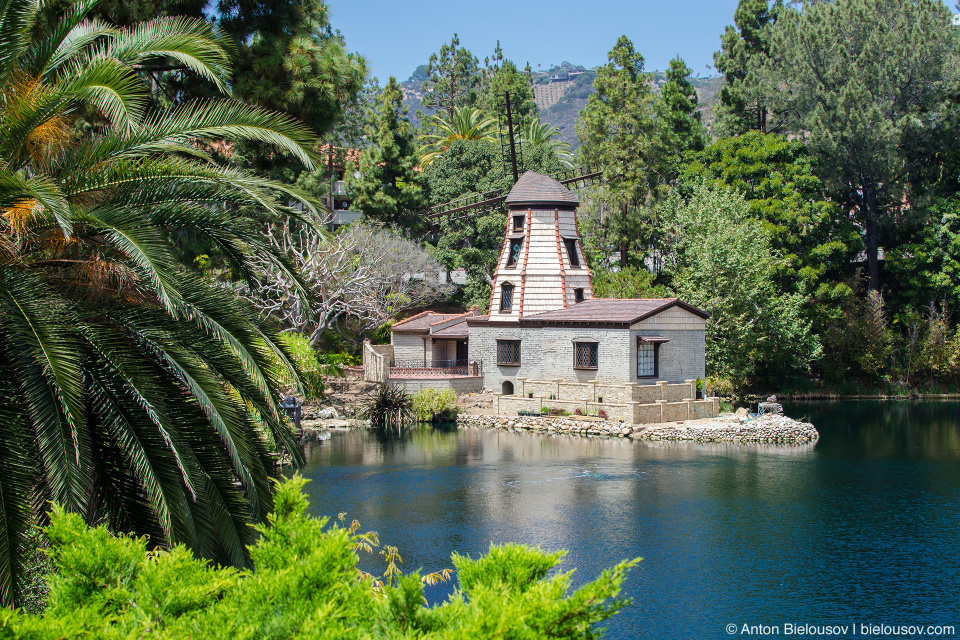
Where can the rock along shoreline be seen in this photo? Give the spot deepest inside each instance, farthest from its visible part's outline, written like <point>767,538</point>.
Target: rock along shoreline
<point>769,429</point>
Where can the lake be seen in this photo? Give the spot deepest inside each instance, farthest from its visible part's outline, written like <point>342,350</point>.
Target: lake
<point>861,528</point>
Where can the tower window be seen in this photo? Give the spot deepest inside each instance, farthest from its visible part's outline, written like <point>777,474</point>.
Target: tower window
<point>518,223</point>
<point>572,252</point>
<point>506,297</point>
<point>514,256</point>
<point>578,295</point>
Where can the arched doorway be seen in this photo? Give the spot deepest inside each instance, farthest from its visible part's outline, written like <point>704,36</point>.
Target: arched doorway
<point>506,388</point>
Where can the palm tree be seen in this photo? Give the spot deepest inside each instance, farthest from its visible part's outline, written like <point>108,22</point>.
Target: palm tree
<point>466,123</point>
<point>131,391</point>
<point>536,133</point>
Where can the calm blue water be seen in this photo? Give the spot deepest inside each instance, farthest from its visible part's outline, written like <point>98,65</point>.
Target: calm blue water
<point>863,527</point>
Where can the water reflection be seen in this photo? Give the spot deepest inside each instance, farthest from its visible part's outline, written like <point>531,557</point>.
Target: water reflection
<point>860,526</point>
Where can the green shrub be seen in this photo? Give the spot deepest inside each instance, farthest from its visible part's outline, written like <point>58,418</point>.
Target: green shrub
<point>306,585</point>
<point>305,358</point>
<point>388,406</point>
<point>435,405</point>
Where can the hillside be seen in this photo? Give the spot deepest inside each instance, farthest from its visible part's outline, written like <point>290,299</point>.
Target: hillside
<point>562,92</point>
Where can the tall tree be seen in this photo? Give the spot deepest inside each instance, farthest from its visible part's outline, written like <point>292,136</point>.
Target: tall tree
<point>871,86</point>
<point>389,188</point>
<point>500,76</point>
<point>290,59</point>
<point>467,123</point>
<point>131,392</point>
<point>722,262</point>
<point>618,130</point>
<point>816,240</point>
<point>744,47</point>
<point>678,107</point>
<point>453,77</point>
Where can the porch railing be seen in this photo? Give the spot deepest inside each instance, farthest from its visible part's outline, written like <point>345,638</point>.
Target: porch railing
<point>436,368</point>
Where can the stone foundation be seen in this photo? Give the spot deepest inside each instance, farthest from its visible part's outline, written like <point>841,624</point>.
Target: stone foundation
<point>627,403</point>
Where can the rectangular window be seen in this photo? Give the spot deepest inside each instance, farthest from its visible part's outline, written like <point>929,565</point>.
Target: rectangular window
<point>572,252</point>
<point>585,355</point>
<point>578,295</point>
<point>648,359</point>
<point>506,297</point>
<point>508,352</point>
<point>513,257</point>
<point>518,223</point>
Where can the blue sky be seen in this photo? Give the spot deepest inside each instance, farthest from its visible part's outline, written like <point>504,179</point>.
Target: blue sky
<point>397,36</point>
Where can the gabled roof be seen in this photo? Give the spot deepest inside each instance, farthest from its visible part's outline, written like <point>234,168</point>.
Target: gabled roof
<point>422,322</point>
<point>536,188</point>
<point>611,311</point>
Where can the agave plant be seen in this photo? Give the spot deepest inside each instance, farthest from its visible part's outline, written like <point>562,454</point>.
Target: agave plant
<point>466,123</point>
<point>130,391</point>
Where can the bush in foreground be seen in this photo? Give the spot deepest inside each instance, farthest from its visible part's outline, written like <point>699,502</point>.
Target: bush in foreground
<point>306,585</point>
<point>435,405</point>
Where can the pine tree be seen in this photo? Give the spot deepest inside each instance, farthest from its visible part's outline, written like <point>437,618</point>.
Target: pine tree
<point>871,86</point>
<point>501,75</point>
<point>453,76</point>
<point>740,107</point>
<point>619,132</point>
<point>290,59</point>
<point>678,108</point>
<point>389,188</point>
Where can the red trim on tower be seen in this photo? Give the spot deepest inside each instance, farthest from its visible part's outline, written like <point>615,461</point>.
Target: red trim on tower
<point>526,257</point>
<point>563,271</point>
<point>496,274</point>
<point>583,257</point>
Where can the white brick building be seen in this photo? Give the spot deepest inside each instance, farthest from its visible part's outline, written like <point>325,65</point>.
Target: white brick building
<point>545,325</point>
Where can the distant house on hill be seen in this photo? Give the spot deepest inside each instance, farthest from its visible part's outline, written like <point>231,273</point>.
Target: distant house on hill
<point>546,339</point>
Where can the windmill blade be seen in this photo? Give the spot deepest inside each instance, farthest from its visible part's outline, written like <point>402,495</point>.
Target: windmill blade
<point>477,203</point>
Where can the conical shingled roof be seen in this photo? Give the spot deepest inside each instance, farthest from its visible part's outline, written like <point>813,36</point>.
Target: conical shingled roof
<point>536,188</point>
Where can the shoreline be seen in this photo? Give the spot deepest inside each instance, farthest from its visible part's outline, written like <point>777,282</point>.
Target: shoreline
<point>779,430</point>
<point>725,428</point>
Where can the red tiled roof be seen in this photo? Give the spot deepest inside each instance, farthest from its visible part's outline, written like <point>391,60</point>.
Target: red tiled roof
<point>536,188</point>
<point>611,311</point>
<point>422,322</point>
<point>458,330</point>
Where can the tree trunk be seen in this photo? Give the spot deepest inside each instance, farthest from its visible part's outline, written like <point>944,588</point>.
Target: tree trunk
<point>872,239</point>
<point>623,241</point>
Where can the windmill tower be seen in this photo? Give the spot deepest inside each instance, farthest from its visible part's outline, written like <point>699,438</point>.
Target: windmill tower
<point>542,267</point>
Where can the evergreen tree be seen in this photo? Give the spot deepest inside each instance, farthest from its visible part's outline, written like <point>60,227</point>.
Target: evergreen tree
<point>501,75</point>
<point>453,76</point>
<point>871,85</point>
<point>290,59</point>
<point>678,108</point>
<point>815,239</point>
<point>619,132</point>
<point>388,188</point>
<point>740,107</point>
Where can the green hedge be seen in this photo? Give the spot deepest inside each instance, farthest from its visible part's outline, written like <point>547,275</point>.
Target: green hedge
<point>306,585</point>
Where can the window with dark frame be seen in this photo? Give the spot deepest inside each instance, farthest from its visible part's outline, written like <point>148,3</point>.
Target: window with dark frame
<point>513,257</point>
<point>585,355</point>
<point>648,359</point>
<point>518,223</point>
<point>578,295</point>
<point>506,296</point>
<point>572,251</point>
<point>508,352</point>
